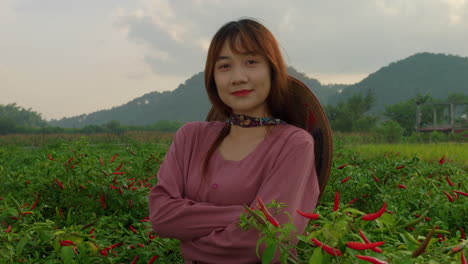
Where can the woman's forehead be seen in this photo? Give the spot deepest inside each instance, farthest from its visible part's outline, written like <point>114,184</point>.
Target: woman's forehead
<point>237,48</point>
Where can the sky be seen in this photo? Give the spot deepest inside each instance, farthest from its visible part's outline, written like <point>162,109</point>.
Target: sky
<point>63,58</point>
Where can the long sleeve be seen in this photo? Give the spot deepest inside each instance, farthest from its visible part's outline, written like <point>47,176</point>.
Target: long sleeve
<point>173,216</point>
<point>292,180</point>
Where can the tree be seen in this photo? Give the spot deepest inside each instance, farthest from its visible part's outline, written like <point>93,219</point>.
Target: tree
<point>352,115</point>
<point>21,116</point>
<point>7,125</point>
<point>115,127</point>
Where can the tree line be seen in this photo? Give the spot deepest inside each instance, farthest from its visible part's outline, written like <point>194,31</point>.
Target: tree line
<point>352,115</point>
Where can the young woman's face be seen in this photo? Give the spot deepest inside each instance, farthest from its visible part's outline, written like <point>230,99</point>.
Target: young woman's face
<point>237,72</point>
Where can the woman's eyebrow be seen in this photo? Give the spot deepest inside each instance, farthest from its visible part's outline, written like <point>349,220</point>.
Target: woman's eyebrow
<point>222,58</point>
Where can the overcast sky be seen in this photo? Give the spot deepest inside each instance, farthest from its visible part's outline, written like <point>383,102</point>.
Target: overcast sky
<point>65,58</point>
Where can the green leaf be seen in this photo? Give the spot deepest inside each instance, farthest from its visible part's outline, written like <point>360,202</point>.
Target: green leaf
<point>19,247</point>
<point>67,255</point>
<point>69,217</point>
<point>269,252</point>
<point>317,256</point>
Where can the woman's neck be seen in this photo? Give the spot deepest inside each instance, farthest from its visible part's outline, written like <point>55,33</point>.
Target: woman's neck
<point>240,134</point>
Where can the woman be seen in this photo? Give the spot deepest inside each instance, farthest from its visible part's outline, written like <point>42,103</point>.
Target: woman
<point>264,149</point>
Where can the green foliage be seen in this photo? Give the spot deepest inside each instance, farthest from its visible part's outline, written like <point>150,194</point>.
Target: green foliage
<point>13,116</point>
<point>404,113</point>
<point>372,183</point>
<point>351,115</point>
<point>94,198</point>
<point>64,192</point>
<point>425,73</point>
<point>390,131</point>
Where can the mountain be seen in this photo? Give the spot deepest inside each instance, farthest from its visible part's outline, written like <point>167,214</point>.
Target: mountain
<point>437,75</point>
<point>189,102</point>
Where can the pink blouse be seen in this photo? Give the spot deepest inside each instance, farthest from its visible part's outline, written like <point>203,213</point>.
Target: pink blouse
<point>280,168</point>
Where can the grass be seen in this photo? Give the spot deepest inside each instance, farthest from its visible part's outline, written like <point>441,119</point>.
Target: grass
<point>454,152</point>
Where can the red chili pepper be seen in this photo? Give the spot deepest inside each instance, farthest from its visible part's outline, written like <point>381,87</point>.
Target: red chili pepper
<point>112,186</point>
<point>144,220</point>
<point>70,160</point>
<point>134,261</point>
<point>141,245</point>
<point>375,178</point>
<point>118,173</point>
<point>354,200</point>
<point>133,229</point>
<point>442,160</point>
<point>401,186</point>
<point>342,166</point>
<point>346,179</point>
<point>267,214</point>
<point>153,259</point>
<point>363,246</point>
<point>448,180</point>
<point>49,156</point>
<point>462,193</point>
<point>336,204</point>
<point>309,215</point>
<point>118,168</point>
<point>462,257</point>
<point>113,158</point>
<point>8,229</point>
<point>103,252</point>
<point>66,243</point>
<point>101,161</point>
<point>150,236</point>
<point>371,259</point>
<point>92,230</point>
<point>60,184</point>
<point>376,249</point>
<point>328,249</point>
<point>116,245</point>
<point>26,213</point>
<point>373,216</point>
<point>450,198</point>
<point>462,236</point>
<point>400,167</point>
<point>103,201</point>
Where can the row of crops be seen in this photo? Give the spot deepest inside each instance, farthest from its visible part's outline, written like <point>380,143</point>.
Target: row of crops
<point>76,203</point>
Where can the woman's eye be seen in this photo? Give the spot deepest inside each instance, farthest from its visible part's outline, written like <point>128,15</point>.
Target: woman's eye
<point>250,62</point>
<point>223,66</point>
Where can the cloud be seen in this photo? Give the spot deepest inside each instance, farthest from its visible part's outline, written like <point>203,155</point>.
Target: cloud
<point>345,37</point>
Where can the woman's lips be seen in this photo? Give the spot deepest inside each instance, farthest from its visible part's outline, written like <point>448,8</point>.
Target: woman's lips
<point>242,93</point>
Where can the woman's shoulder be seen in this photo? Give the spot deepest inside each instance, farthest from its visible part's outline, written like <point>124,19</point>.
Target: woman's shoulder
<point>295,135</point>
<point>197,127</point>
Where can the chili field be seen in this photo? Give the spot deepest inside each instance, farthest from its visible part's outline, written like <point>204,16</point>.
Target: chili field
<point>81,203</point>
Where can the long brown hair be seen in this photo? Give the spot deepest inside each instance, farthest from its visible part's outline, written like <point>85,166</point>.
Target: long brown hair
<point>247,35</point>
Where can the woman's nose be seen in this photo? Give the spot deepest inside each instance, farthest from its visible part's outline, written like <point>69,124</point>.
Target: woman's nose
<point>239,76</point>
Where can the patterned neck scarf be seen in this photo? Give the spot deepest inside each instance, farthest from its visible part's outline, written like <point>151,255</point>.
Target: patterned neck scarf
<point>249,121</point>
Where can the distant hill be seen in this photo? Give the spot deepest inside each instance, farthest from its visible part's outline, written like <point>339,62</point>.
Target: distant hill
<point>426,73</point>
<point>437,75</point>
<point>189,102</point>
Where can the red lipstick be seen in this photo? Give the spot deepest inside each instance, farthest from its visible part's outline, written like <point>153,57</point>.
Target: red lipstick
<point>241,92</point>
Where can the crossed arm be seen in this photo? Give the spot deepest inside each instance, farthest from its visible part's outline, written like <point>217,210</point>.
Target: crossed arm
<point>210,233</point>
